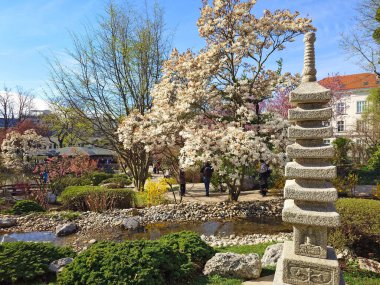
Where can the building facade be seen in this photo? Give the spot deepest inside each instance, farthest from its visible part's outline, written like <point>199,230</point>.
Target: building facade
<point>350,92</point>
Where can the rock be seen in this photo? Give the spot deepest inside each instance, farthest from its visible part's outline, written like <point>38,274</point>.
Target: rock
<point>7,222</point>
<point>369,265</point>
<point>57,265</point>
<point>272,254</point>
<point>92,241</point>
<point>7,238</point>
<point>245,266</point>
<point>132,223</point>
<point>51,198</point>
<point>66,229</point>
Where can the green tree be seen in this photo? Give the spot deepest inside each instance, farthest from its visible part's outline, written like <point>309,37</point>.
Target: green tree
<point>67,126</point>
<point>115,65</point>
<point>342,147</point>
<point>369,129</point>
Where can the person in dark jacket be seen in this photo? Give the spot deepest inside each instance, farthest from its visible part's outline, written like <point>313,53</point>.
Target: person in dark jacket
<point>207,174</point>
<point>264,173</point>
<point>182,182</point>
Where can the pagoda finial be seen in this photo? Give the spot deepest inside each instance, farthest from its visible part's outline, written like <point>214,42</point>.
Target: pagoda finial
<point>309,72</point>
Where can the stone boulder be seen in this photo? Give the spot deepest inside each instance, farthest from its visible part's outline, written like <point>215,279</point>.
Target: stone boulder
<point>272,254</point>
<point>66,229</point>
<point>132,223</point>
<point>7,238</point>
<point>7,222</point>
<point>51,198</point>
<point>57,265</point>
<point>369,265</point>
<point>244,266</point>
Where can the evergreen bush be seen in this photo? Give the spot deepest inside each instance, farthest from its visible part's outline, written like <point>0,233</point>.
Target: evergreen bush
<point>26,261</point>
<point>141,262</point>
<point>26,206</point>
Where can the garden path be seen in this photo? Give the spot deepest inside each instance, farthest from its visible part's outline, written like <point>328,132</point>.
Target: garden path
<point>195,192</point>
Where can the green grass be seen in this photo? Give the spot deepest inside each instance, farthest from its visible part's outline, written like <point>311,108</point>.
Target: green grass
<point>353,276</point>
<point>246,249</point>
<point>215,280</point>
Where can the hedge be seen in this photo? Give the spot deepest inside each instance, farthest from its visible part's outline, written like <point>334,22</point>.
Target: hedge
<point>98,177</point>
<point>26,261</point>
<point>96,198</point>
<point>359,219</point>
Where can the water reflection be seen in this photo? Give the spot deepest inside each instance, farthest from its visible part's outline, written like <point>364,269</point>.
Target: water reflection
<point>155,231</point>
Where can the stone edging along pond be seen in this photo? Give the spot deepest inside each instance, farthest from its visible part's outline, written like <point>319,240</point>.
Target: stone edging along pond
<point>161,213</point>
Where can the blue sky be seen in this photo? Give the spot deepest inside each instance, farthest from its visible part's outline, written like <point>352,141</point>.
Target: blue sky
<point>30,31</point>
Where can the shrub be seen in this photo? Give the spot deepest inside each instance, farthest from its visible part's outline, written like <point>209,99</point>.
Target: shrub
<point>191,244</point>
<point>136,262</point>
<point>359,219</point>
<point>60,184</point>
<point>374,161</point>
<point>98,177</point>
<point>117,181</point>
<point>26,207</point>
<point>90,198</point>
<point>22,261</point>
<point>376,191</point>
<point>155,191</point>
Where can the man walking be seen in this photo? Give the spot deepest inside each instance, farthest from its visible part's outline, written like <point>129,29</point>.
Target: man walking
<point>207,174</point>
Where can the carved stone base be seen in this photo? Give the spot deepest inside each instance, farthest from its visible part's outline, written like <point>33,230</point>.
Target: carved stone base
<point>310,241</point>
<point>294,269</point>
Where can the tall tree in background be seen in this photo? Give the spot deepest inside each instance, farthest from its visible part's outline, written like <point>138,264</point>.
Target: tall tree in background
<point>15,105</point>
<point>67,126</point>
<point>369,128</point>
<point>361,42</point>
<point>115,66</point>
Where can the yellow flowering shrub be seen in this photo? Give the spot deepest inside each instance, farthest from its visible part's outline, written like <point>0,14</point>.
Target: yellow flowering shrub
<point>155,191</point>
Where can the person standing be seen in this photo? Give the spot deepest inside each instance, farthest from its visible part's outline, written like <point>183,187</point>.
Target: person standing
<point>45,176</point>
<point>207,174</point>
<point>264,173</point>
<point>182,182</point>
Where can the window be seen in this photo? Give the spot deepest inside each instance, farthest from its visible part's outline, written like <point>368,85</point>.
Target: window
<point>360,126</point>
<point>326,141</point>
<point>365,83</point>
<point>340,126</point>
<point>341,108</point>
<point>360,106</point>
<point>326,123</point>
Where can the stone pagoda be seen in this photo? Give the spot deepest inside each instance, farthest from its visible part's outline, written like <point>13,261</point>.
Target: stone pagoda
<point>309,194</point>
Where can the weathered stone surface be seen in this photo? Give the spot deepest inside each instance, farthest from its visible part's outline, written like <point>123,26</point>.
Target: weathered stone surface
<point>304,270</point>
<point>297,132</point>
<point>298,151</point>
<point>57,265</point>
<point>295,170</point>
<point>301,114</point>
<point>309,197</point>
<point>66,229</point>
<point>7,222</point>
<point>245,266</point>
<point>272,254</point>
<point>310,92</point>
<point>369,265</point>
<point>7,238</point>
<point>324,193</point>
<point>132,223</point>
<point>323,215</point>
<point>310,241</point>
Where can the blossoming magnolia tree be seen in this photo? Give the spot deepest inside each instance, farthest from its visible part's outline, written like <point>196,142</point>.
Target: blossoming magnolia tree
<point>207,103</point>
<point>18,149</point>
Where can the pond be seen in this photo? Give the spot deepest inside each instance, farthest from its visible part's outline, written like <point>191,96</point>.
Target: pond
<point>154,231</point>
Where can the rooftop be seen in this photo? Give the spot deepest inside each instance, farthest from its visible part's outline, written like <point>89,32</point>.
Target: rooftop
<point>351,82</point>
